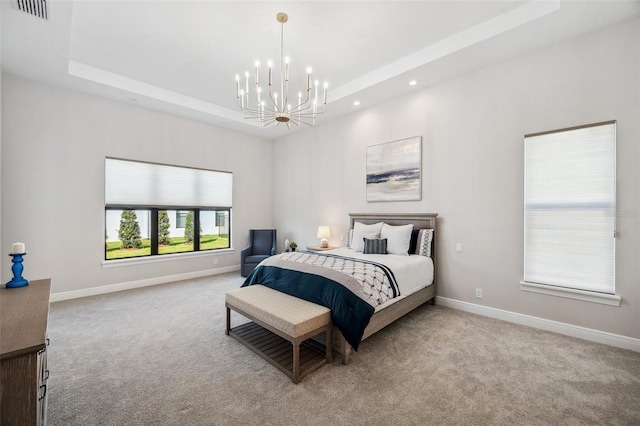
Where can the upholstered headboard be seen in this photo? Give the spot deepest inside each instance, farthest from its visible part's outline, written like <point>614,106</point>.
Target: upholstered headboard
<point>419,220</point>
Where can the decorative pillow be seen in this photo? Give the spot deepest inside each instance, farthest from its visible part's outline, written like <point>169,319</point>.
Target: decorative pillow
<point>349,237</point>
<point>360,231</point>
<point>398,238</point>
<point>375,246</point>
<point>414,241</point>
<point>423,245</point>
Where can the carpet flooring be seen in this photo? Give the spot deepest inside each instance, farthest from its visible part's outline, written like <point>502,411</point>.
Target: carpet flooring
<point>159,356</point>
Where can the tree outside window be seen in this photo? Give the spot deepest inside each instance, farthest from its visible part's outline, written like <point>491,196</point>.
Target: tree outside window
<point>129,232</point>
<point>164,226</point>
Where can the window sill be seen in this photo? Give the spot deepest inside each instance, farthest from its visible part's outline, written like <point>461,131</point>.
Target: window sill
<point>115,263</point>
<point>570,293</point>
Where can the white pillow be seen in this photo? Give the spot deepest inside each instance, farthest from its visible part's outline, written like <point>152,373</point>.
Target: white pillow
<point>398,238</point>
<point>361,231</point>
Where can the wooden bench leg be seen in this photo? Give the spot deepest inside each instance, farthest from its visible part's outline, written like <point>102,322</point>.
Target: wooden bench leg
<point>296,363</point>
<point>226,330</point>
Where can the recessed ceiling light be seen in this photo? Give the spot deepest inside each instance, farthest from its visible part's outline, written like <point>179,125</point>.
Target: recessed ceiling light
<point>133,100</point>
<point>413,82</point>
<point>356,103</point>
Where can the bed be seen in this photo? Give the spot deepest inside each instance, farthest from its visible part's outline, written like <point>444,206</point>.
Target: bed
<point>410,280</point>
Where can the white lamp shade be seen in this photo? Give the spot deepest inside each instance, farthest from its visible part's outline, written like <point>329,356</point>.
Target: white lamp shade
<point>324,232</point>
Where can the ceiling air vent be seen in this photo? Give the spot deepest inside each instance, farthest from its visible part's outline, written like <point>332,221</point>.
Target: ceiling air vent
<point>37,8</point>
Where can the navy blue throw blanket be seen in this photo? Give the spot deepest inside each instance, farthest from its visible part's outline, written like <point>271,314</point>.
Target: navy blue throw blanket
<point>349,313</point>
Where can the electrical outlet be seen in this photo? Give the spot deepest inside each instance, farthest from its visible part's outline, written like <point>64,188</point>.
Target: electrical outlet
<point>478,293</point>
<point>215,260</point>
<point>459,247</point>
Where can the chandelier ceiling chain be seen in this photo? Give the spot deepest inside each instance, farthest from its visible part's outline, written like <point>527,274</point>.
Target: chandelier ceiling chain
<point>269,106</point>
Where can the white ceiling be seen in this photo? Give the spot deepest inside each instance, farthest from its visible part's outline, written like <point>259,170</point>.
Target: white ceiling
<point>181,57</point>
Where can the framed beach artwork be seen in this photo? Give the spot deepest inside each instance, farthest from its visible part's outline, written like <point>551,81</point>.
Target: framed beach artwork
<point>394,170</point>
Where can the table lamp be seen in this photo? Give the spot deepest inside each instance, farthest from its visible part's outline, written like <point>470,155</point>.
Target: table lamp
<point>324,232</point>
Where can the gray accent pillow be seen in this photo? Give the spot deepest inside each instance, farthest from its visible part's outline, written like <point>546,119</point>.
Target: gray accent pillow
<point>375,246</point>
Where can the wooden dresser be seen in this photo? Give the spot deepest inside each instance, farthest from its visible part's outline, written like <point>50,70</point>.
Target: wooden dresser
<point>23,353</point>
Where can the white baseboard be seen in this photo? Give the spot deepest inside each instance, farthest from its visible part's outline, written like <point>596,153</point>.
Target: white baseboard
<point>592,335</point>
<point>74,294</point>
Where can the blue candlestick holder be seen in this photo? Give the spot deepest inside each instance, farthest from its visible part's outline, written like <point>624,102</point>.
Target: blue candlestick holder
<point>17,268</point>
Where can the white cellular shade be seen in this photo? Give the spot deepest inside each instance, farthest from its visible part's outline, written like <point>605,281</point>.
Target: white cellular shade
<point>146,184</point>
<point>570,208</point>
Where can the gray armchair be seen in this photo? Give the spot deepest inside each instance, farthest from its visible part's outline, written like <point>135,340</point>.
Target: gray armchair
<point>262,244</point>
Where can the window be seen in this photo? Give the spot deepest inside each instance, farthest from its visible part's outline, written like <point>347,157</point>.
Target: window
<point>221,219</point>
<point>181,219</point>
<point>175,237</point>
<point>127,233</point>
<point>570,207</point>
<point>153,209</point>
<point>215,228</point>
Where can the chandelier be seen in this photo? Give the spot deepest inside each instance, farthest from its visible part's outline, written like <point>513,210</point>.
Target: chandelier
<point>271,105</point>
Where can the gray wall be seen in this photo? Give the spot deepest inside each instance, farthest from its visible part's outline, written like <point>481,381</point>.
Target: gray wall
<point>54,145</point>
<point>472,128</point>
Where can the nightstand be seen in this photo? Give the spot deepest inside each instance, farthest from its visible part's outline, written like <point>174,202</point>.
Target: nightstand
<point>318,248</point>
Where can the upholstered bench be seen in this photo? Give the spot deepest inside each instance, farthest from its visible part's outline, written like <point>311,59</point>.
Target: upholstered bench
<point>281,323</point>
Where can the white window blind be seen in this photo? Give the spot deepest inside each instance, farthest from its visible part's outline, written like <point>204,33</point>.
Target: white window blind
<point>570,208</point>
<point>132,183</point>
